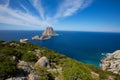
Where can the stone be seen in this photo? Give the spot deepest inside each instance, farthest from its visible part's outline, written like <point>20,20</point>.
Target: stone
<point>43,62</point>
<point>25,67</point>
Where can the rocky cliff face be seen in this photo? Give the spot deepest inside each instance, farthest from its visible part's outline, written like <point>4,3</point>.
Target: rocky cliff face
<point>49,32</point>
<point>112,62</point>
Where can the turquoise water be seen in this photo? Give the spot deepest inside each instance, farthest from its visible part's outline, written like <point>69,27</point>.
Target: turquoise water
<point>87,47</point>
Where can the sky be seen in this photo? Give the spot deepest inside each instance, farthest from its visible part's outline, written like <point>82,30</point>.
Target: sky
<point>68,15</point>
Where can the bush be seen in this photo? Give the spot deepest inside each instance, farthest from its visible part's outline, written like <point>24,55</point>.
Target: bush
<point>102,74</point>
<point>44,74</point>
<point>74,70</point>
<point>7,67</point>
<point>29,56</point>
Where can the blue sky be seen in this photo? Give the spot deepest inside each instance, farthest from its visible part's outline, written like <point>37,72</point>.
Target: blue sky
<point>73,15</point>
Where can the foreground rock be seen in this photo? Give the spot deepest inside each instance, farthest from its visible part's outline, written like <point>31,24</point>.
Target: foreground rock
<point>47,34</point>
<point>112,62</point>
<point>43,61</point>
<point>25,67</point>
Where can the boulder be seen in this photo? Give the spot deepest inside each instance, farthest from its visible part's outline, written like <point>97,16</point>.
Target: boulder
<point>25,67</point>
<point>43,61</point>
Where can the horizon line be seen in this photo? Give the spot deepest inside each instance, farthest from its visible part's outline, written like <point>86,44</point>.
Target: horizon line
<point>62,30</point>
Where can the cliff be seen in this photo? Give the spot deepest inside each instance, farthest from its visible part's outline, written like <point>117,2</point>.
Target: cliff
<point>112,62</point>
<point>31,62</point>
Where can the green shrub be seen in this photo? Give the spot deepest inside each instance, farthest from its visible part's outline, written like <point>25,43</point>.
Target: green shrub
<point>76,71</point>
<point>102,74</point>
<point>30,57</point>
<point>7,67</point>
<point>44,74</point>
<point>11,52</point>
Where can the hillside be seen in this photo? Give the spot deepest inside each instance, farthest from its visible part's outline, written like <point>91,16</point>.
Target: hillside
<point>26,61</point>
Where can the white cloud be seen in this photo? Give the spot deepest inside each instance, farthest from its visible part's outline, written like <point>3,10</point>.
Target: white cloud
<point>17,17</point>
<point>7,3</point>
<point>70,7</point>
<point>38,6</point>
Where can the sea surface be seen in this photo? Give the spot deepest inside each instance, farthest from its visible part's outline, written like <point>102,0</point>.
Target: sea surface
<point>88,47</point>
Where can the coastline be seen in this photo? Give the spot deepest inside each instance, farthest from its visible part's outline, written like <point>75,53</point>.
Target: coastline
<point>79,47</point>
<point>41,62</point>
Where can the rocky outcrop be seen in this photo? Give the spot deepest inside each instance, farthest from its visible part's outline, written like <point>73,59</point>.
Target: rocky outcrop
<point>47,34</point>
<point>25,67</point>
<point>43,61</point>
<point>112,62</point>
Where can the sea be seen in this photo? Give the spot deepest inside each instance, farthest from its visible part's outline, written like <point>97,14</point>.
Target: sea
<point>88,47</point>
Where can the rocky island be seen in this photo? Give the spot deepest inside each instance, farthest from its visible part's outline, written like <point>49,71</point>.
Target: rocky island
<point>47,34</point>
<point>112,62</point>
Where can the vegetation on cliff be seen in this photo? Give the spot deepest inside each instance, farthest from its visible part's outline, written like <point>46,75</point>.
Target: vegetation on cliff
<point>61,67</point>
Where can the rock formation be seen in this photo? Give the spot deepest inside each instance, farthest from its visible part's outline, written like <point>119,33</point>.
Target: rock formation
<point>112,62</point>
<point>25,67</point>
<point>47,34</point>
<point>43,61</point>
